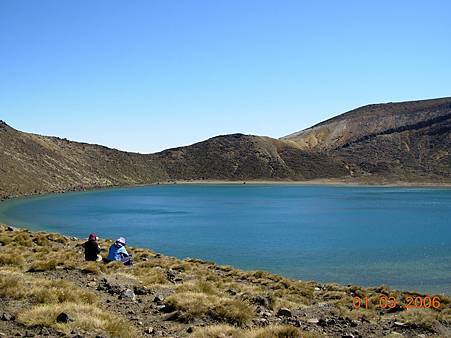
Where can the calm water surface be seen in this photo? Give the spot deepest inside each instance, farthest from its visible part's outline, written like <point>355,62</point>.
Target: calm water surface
<point>363,235</point>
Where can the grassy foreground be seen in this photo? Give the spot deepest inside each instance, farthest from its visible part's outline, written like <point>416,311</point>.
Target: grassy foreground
<point>47,289</point>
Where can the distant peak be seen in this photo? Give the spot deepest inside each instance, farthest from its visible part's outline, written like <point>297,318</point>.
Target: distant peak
<point>5,126</point>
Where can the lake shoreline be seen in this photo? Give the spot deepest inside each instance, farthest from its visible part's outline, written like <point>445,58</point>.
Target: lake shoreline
<point>314,182</point>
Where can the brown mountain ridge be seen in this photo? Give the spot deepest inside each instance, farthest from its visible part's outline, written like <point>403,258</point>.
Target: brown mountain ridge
<point>383,143</point>
<point>406,141</point>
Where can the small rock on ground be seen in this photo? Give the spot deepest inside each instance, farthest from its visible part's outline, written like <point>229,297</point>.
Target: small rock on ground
<point>284,312</point>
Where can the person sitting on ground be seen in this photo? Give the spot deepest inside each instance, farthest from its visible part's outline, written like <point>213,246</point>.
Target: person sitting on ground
<point>118,252</point>
<point>92,249</point>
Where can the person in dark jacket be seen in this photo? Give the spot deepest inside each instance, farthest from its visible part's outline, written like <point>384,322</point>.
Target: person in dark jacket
<point>92,249</point>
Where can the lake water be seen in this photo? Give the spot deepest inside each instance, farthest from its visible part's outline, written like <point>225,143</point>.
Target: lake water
<point>362,235</point>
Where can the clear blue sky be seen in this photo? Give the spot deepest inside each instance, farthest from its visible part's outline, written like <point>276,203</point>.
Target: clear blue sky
<point>147,75</point>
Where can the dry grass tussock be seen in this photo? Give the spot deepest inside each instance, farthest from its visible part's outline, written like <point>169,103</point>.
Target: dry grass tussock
<point>37,251</point>
<point>18,238</point>
<point>199,304</point>
<point>277,331</point>
<point>150,276</point>
<point>83,316</point>
<point>63,258</point>
<point>12,256</point>
<point>17,285</point>
<point>424,317</point>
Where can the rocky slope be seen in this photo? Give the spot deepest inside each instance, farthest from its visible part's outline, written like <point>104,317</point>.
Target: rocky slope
<point>393,141</point>
<point>31,164</point>
<point>244,157</point>
<point>48,290</point>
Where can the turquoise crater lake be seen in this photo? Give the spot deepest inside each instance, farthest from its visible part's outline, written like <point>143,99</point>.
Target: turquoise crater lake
<point>360,235</point>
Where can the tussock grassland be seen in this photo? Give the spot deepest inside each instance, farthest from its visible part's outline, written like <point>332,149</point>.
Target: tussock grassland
<point>49,298</point>
<point>43,275</point>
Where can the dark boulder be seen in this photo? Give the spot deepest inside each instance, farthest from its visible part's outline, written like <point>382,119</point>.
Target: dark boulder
<point>141,290</point>
<point>63,318</point>
<point>7,317</point>
<point>172,315</point>
<point>266,302</point>
<point>167,308</point>
<point>284,312</point>
<point>158,299</point>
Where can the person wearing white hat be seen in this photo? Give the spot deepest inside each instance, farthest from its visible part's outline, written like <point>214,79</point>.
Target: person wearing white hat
<point>117,252</point>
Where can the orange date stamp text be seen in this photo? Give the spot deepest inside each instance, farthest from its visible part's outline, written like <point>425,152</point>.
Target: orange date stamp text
<point>387,302</point>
